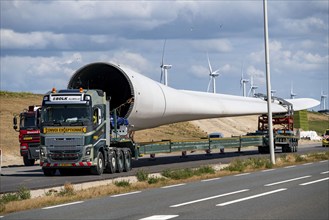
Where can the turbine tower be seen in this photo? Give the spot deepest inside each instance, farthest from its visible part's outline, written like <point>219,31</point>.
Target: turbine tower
<point>253,87</point>
<point>292,94</point>
<point>243,83</point>
<point>164,68</point>
<point>212,75</point>
<point>323,100</point>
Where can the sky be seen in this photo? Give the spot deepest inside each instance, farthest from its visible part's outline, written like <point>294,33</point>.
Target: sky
<point>44,42</point>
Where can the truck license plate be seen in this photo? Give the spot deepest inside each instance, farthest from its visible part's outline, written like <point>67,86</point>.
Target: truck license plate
<point>65,165</point>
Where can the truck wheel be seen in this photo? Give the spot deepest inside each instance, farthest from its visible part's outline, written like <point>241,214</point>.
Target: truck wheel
<point>49,171</point>
<point>99,168</point>
<point>127,161</point>
<point>111,166</point>
<point>120,161</point>
<point>27,161</point>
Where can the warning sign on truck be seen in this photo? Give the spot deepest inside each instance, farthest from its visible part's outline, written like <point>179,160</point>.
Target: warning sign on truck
<point>64,130</point>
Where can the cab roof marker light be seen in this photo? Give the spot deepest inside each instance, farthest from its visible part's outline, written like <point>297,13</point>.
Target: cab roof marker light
<point>53,90</point>
<point>81,90</point>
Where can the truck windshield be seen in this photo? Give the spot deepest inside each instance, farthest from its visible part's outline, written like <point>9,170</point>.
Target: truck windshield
<point>28,121</point>
<point>66,115</point>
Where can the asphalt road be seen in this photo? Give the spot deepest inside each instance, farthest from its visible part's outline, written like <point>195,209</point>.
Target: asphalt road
<point>293,192</point>
<point>13,178</point>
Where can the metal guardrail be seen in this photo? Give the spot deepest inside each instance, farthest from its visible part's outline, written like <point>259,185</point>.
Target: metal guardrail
<point>168,146</point>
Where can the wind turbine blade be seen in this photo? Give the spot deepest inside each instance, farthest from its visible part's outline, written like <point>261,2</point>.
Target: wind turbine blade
<point>163,51</point>
<point>209,84</point>
<point>209,65</point>
<point>161,74</point>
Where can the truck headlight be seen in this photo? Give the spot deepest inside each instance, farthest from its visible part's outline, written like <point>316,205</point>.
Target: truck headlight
<point>88,149</point>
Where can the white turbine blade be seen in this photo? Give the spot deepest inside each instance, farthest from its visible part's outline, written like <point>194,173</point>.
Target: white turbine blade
<point>209,65</point>
<point>161,74</point>
<point>163,51</point>
<point>209,84</point>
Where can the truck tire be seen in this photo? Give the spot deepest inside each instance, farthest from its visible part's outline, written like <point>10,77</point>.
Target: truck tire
<point>111,166</point>
<point>120,161</point>
<point>127,161</point>
<point>99,168</point>
<point>27,161</point>
<point>49,171</point>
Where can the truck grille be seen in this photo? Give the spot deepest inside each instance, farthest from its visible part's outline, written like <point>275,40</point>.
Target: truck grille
<point>64,142</point>
<point>64,148</point>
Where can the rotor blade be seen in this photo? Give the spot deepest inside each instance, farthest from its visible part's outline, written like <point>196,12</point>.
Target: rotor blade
<point>209,84</point>
<point>209,65</point>
<point>161,74</point>
<point>163,51</point>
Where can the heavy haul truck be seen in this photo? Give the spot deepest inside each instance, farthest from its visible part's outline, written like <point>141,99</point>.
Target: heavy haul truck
<point>29,133</point>
<point>80,129</point>
<point>76,133</point>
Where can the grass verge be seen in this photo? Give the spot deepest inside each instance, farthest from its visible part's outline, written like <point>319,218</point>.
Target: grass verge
<point>13,202</point>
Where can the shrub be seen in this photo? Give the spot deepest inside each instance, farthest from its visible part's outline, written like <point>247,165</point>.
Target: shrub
<point>204,170</point>
<point>24,193</point>
<point>153,180</point>
<point>67,190</point>
<point>236,165</point>
<point>122,183</point>
<point>142,175</point>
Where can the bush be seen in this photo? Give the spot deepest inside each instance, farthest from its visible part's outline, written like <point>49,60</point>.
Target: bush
<point>153,180</point>
<point>67,190</point>
<point>24,193</point>
<point>236,165</point>
<point>122,183</point>
<point>142,175</point>
<point>178,174</point>
<point>204,170</point>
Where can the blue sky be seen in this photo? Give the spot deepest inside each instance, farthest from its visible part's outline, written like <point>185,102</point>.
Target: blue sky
<point>44,42</point>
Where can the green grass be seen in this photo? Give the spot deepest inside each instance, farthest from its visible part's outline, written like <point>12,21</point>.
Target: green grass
<point>318,126</point>
<point>17,94</point>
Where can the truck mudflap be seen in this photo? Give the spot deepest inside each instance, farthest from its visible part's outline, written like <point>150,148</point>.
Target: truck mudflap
<point>80,164</point>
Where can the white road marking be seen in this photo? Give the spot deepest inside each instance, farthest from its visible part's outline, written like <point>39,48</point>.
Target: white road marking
<point>159,217</point>
<point>307,164</point>
<point>325,172</point>
<point>208,198</point>
<point>165,187</point>
<point>66,204</point>
<point>285,181</point>
<point>210,179</point>
<point>242,174</point>
<point>290,166</point>
<point>323,161</point>
<point>315,181</point>
<point>268,170</point>
<point>251,197</point>
<point>125,194</point>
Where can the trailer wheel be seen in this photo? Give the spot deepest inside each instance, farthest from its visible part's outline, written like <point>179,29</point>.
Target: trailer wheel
<point>99,168</point>
<point>27,161</point>
<point>49,171</point>
<point>112,164</point>
<point>127,161</point>
<point>120,161</point>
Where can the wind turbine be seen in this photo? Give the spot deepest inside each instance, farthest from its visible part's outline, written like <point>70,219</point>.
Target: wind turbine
<point>292,94</point>
<point>252,87</point>
<point>164,67</point>
<point>323,99</point>
<point>212,75</point>
<point>243,83</point>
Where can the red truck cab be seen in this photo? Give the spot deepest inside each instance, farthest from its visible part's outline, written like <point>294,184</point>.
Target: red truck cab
<point>29,134</point>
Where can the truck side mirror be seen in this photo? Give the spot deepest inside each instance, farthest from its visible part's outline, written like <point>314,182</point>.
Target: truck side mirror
<point>15,123</point>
